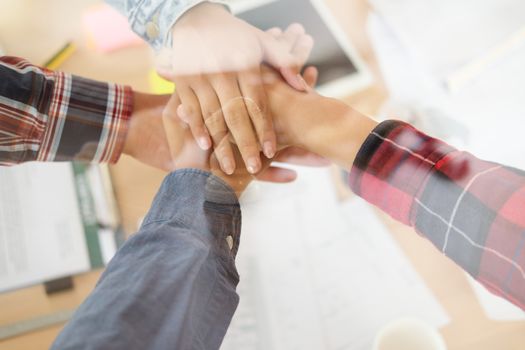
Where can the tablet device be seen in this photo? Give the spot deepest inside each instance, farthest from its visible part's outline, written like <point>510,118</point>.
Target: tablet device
<point>341,71</point>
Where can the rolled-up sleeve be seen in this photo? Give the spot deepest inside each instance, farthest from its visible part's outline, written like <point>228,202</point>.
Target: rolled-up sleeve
<point>172,285</point>
<point>152,20</point>
<point>470,209</point>
<point>53,116</point>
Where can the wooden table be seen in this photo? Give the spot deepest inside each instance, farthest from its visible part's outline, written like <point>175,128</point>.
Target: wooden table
<point>33,28</point>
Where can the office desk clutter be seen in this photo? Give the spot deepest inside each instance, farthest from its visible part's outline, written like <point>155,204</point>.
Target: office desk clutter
<point>63,238</point>
<point>78,231</point>
<point>273,215</point>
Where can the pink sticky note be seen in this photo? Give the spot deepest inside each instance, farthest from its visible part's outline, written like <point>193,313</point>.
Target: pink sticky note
<point>108,29</point>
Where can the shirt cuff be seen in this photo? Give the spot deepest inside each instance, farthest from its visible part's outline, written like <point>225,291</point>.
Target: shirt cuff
<point>154,23</point>
<point>87,120</point>
<point>203,203</point>
<point>393,166</point>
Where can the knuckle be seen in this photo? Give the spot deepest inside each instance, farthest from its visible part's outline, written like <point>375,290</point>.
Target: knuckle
<point>168,114</point>
<point>215,122</point>
<point>253,100</point>
<point>222,80</point>
<point>235,119</point>
<point>208,114</point>
<point>195,121</point>
<point>190,110</point>
<point>248,145</point>
<point>223,146</point>
<point>213,110</point>
<point>257,108</point>
<point>210,123</point>
<point>199,81</point>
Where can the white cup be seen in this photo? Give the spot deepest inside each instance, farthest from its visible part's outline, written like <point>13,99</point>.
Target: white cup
<point>409,334</point>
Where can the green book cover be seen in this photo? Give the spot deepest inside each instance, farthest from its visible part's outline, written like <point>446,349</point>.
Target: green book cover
<point>88,214</point>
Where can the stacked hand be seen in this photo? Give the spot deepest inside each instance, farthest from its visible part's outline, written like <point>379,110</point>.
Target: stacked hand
<point>186,153</point>
<point>164,141</point>
<point>216,68</point>
<point>170,145</point>
<point>302,120</point>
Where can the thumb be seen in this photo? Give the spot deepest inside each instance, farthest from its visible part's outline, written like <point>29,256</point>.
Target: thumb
<point>276,55</point>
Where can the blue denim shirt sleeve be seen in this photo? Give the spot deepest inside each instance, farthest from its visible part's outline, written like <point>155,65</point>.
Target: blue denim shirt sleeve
<point>153,19</point>
<point>173,284</point>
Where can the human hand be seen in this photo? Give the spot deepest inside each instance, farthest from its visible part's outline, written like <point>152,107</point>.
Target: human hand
<point>241,178</point>
<point>146,139</point>
<point>218,79</point>
<point>185,153</point>
<point>321,125</point>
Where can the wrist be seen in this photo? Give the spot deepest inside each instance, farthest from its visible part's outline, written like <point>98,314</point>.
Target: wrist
<point>142,103</point>
<point>333,130</point>
<point>130,134</point>
<point>201,13</point>
<point>237,184</point>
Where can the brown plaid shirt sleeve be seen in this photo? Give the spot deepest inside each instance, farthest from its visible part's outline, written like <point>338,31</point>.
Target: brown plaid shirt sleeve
<point>53,116</point>
<point>472,210</point>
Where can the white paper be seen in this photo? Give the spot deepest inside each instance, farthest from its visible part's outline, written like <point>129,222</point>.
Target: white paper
<point>108,245</point>
<point>318,274</point>
<point>489,111</point>
<point>41,233</point>
<point>102,192</point>
<point>446,35</point>
<point>496,308</point>
<point>493,109</point>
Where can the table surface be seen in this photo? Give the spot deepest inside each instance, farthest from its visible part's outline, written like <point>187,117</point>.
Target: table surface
<point>33,28</point>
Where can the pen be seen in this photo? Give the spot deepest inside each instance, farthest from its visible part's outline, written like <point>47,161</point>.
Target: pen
<point>61,56</point>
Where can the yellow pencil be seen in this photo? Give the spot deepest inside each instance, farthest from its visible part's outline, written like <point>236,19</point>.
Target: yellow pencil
<point>61,56</point>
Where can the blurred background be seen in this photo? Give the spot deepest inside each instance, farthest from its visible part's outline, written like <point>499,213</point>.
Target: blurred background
<point>341,270</point>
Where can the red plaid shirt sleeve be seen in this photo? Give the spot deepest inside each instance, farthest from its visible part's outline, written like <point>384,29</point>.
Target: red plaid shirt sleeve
<point>53,116</point>
<point>472,210</point>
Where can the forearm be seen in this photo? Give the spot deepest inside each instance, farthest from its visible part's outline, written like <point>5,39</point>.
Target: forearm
<point>471,210</point>
<point>172,285</point>
<point>53,116</point>
<point>338,131</point>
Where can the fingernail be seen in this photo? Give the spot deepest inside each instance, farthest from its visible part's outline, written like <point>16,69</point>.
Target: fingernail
<point>253,165</point>
<point>269,151</point>
<point>227,166</point>
<point>291,177</point>
<point>302,82</point>
<point>295,80</point>
<point>181,112</point>
<point>204,143</point>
